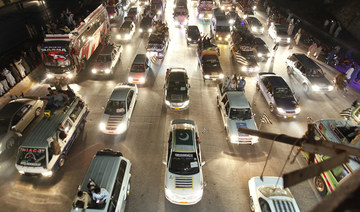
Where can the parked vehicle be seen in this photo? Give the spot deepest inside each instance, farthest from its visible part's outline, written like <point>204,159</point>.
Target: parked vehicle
<point>65,55</point>
<point>261,50</point>
<point>236,113</point>
<point>177,89</point>
<point>15,117</point>
<point>107,60</point>
<point>119,108</point>
<point>269,194</point>
<point>192,35</point>
<point>339,131</point>
<point>255,26</point>
<point>111,171</point>
<point>45,148</point>
<point>127,31</point>
<point>139,69</point>
<point>308,74</point>
<point>279,34</point>
<point>278,95</point>
<point>184,183</point>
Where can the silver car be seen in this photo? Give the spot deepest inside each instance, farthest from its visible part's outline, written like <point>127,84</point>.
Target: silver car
<point>308,74</point>
<point>15,117</point>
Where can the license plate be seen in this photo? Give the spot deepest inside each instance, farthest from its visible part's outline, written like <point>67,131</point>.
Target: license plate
<point>101,74</point>
<point>177,108</point>
<point>111,132</point>
<point>290,115</point>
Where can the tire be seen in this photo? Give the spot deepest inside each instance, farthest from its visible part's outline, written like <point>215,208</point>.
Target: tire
<point>37,111</point>
<point>271,107</point>
<point>306,89</point>
<point>320,185</point>
<point>251,204</point>
<point>257,87</point>
<point>10,144</point>
<point>61,161</point>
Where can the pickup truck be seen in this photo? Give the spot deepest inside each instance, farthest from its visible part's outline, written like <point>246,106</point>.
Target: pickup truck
<point>236,113</point>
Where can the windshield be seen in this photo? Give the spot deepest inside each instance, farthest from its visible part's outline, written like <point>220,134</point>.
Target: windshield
<point>254,21</point>
<point>223,28</point>
<point>177,87</point>
<point>178,13</point>
<point>211,63</point>
<point>272,191</point>
<point>281,31</point>
<point>282,93</point>
<point>103,58</point>
<point>4,125</point>
<point>184,163</point>
<point>34,157</point>
<point>124,29</point>
<point>240,113</point>
<point>316,73</point>
<point>56,58</point>
<point>193,30</point>
<point>249,55</point>
<point>115,108</point>
<point>137,68</point>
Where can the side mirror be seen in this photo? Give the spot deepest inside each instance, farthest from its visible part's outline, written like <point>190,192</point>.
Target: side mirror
<point>202,163</point>
<point>164,162</point>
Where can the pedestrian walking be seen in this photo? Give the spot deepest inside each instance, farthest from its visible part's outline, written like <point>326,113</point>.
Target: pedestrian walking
<point>318,51</point>
<point>297,37</point>
<point>312,49</point>
<point>15,72</point>
<point>337,31</point>
<point>275,48</point>
<point>241,84</point>
<point>25,65</point>
<point>2,90</point>
<point>326,24</point>
<point>28,60</point>
<point>9,77</point>
<point>291,28</point>
<point>332,27</point>
<point>19,67</point>
<point>330,57</point>
<point>4,82</point>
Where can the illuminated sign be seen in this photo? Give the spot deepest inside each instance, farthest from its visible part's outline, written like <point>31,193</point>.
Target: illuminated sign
<point>53,48</point>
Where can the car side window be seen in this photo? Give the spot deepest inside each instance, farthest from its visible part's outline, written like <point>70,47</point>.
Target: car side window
<point>67,126</point>
<point>129,98</point>
<point>19,114</point>
<point>227,108</point>
<point>297,65</point>
<point>117,186</point>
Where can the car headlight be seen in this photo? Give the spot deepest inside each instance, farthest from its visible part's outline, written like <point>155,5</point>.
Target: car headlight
<point>186,103</point>
<point>288,40</point>
<point>102,126</point>
<point>121,128</point>
<point>297,110</point>
<point>207,76</point>
<point>269,54</point>
<point>140,30</point>
<point>221,76</point>
<point>262,29</point>
<point>127,37</point>
<point>111,16</point>
<point>167,102</point>
<point>231,21</point>
<point>201,15</point>
<point>189,39</point>
<point>21,172</point>
<point>217,35</point>
<point>118,36</point>
<point>259,54</point>
<point>280,110</point>
<point>94,71</point>
<point>107,71</point>
<point>254,29</point>
<point>255,139</point>
<point>222,8</point>
<point>233,138</point>
<point>315,88</point>
<point>47,174</point>
<point>159,12</point>
<point>130,79</point>
<point>254,7</point>
<point>243,68</point>
<point>330,87</point>
<point>228,36</point>
<point>150,30</point>
<point>278,39</point>
<point>49,76</point>
<point>257,68</point>
<point>70,76</point>
<point>142,79</point>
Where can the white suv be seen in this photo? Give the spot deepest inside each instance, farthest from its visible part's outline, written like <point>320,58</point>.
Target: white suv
<point>183,175</point>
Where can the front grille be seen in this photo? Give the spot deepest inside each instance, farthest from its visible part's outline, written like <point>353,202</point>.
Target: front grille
<point>183,182</point>
<point>283,206</point>
<point>113,122</point>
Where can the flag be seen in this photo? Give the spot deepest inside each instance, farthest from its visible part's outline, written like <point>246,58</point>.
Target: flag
<point>346,113</point>
<point>154,59</point>
<point>265,119</point>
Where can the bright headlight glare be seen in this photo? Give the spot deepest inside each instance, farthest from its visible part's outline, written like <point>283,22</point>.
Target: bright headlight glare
<point>228,35</point>
<point>118,36</point>
<point>231,21</point>
<point>189,39</point>
<point>222,8</point>
<point>297,110</point>
<point>186,103</point>
<point>262,29</point>
<point>217,35</point>
<point>233,138</point>
<point>127,37</point>
<point>254,28</point>
<point>21,172</point>
<point>93,71</point>
<point>243,68</point>
<point>278,39</point>
<point>259,54</point>
<point>140,30</point>
<point>49,76</point>
<point>167,102</point>
<point>330,87</point>
<point>288,40</point>
<point>102,126</point>
<point>107,71</point>
<point>257,68</point>
<point>221,76</point>
<point>280,110</point>
<point>255,139</point>
<point>142,79</point>
<point>130,79</point>
<point>70,76</point>
<point>159,12</point>
<point>150,30</point>
<point>47,174</point>
<point>207,76</point>
<point>254,7</point>
<point>315,88</point>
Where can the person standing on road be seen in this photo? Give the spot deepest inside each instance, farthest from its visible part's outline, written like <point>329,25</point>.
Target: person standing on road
<point>297,37</point>
<point>10,79</point>
<point>337,31</point>
<point>15,72</point>
<point>19,67</point>
<point>332,27</point>
<point>312,50</point>
<point>241,84</point>
<point>291,27</point>
<point>275,48</point>
<point>318,51</point>
<point>4,82</point>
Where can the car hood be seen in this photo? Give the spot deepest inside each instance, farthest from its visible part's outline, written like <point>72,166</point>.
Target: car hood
<point>112,119</point>
<point>184,184</point>
<point>194,36</point>
<point>319,81</point>
<point>136,75</point>
<point>210,69</point>
<point>262,49</point>
<point>235,124</point>
<point>102,65</point>
<point>286,103</point>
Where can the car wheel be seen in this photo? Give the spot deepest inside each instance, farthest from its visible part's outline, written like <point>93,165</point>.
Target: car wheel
<point>61,161</point>
<point>257,87</point>
<point>10,143</point>
<point>320,185</point>
<point>217,102</point>
<point>306,89</point>
<point>37,111</point>
<point>271,107</point>
<point>289,70</point>
<point>251,204</point>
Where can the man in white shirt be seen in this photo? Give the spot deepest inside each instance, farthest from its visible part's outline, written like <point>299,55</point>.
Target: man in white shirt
<point>100,196</point>
<point>82,197</point>
<point>349,72</point>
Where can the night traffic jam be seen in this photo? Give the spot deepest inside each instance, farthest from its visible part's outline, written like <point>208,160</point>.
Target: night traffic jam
<point>141,106</point>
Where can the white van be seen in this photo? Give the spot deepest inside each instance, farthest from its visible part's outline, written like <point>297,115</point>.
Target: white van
<point>111,171</point>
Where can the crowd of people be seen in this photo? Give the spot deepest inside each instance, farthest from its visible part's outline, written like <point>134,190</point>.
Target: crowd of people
<point>234,83</point>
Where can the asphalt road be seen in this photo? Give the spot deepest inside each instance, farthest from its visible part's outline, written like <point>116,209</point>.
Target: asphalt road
<point>228,167</point>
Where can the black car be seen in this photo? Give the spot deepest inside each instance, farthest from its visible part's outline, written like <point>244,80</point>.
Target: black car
<point>261,50</point>
<point>244,55</point>
<point>146,25</point>
<point>278,95</point>
<point>255,25</point>
<point>177,89</point>
<point>192,35</point>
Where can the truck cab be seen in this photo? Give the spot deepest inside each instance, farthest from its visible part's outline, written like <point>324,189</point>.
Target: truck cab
<point>236,113</point>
